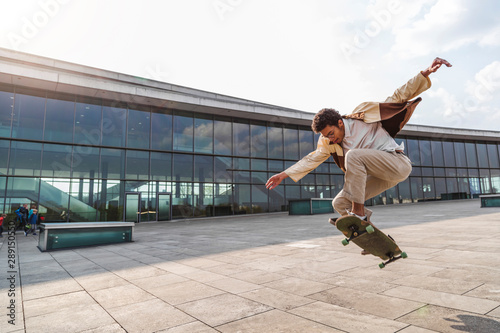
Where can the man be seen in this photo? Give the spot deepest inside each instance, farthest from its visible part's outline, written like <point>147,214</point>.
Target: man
<point>362,144</point>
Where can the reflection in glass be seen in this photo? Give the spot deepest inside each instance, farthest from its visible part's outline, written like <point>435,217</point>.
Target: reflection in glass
<point>161,166</point>
<point>29,112</point>
<point>161,126</point>
<point>113,126</point>
<point>183,131</point>
<point>241,139</point>
<point>56,160</point>
<point>6,112</point>
<point>275,141</point>
<point>138,129</point>
<point>25,159</point>
<point>137,165</point>
<point>112,163</point>
<point>88,124</point>
<point>59,121</point>
<point>258,139</point>
<point>203,134</point>
<point>222,137</point>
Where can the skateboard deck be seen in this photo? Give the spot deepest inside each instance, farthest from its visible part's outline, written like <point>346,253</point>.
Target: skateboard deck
<point>369,238</point>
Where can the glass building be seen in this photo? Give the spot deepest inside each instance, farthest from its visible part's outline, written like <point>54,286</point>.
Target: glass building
<point>84,144</point>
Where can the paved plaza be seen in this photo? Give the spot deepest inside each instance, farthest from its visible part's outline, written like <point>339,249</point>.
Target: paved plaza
<point>265,273</point>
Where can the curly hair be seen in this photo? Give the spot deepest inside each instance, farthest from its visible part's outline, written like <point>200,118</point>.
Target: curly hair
<point>325,117</point>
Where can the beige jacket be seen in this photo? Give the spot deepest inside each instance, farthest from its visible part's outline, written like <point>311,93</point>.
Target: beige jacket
<point>394,113</point>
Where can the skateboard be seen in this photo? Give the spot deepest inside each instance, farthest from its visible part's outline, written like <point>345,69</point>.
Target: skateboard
<point>369,238</point>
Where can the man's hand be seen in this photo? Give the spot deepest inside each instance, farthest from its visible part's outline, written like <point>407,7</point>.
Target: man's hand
<point>275,180</point>
<point>435,66</point>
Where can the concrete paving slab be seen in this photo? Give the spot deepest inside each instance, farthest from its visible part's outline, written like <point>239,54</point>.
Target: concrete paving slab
<point>195,327</point>
<point>68,320</point>
<point>375,304</point>
<point>348,320</point>
<point>183,292</point>
<point>465,303</point>
<point>445,320</point>
<point>118,296</point>
<point>486,291</point>
<point>296,286</point>
<point>154,315</point>
<point>275,321</point>
<point>276,298</point>
<point>438,284</point>
<point>222,309</point>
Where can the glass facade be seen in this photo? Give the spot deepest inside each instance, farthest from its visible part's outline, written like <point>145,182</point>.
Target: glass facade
<point>82,159</point>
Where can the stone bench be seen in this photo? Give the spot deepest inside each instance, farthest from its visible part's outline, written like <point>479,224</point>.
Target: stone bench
<point>55,236</point>
<point>490,200</point>
<point>310,206</point>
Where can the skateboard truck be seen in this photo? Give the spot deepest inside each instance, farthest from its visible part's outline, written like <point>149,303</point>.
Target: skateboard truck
<point>392,258</point>
<point>356,233</point>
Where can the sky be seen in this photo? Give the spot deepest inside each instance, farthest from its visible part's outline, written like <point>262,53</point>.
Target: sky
<point>299,54</point>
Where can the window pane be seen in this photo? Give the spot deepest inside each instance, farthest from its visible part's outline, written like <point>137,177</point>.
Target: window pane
<point>88,124</point>
<point>437,153</point>
<point>449,154</point>
<point>470,150</point>
<point>241,139</point>
<point>258,140</point>
<point>204,196</point>
<point>25,158</point>
<point>482,155</point>
<point>203,135</point>
<point>222,136</point>
<point>241,168</point>
<point>183,132</point>
<point>29,112</point>
<point>56,161</point>
<point>4,158</point>
<point>85,162</point>
<point>137,165</point>
<point>242,199</point>
<point>291,137</point>
<point>259,199</point>
<point>83,196</point>
<point>112,163</point>
<point>6,112</point>
<point>182,200</point>
<point>440,187</point>
<point>138,129</point>
<point>305,142</point>
<point>425,153</point>
<point>161,166</point>
<point>113,126</point>
<point>414,151</point>
<point>460,154</point>
<point>222,166</point>
<point>493,156</point>
<point>59,120</point>
<point>161,126</point>
<point>275,141</point>
<point>203,168</point>
<point>183,167</point>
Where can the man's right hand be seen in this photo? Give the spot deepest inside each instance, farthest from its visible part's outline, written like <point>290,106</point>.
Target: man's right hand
<point>275,180</point>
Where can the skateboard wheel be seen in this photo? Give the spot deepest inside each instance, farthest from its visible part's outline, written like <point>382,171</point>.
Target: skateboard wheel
<point>381,265</point>
<point>404,255</point>
<point>370,229</point>
<point>345,241</point>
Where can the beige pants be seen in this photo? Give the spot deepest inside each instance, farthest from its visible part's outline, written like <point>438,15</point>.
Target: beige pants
<point>369,172</point>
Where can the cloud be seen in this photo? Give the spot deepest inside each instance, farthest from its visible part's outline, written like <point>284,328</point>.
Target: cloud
<point>476,107</point>
<point>448,25</point>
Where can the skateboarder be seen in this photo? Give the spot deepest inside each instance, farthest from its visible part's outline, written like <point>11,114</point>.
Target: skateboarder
<point>362,144</point>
